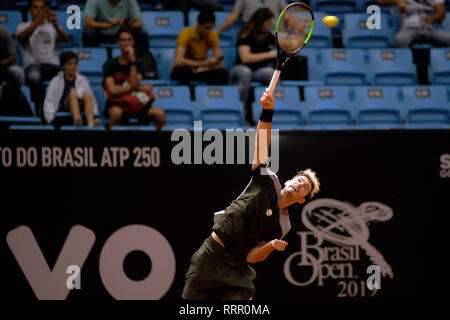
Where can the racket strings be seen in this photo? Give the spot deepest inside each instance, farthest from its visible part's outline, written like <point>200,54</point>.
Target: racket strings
<point>294,28</point>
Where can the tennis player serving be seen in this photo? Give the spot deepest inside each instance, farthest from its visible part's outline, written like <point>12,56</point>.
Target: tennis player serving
<point>250,228</point>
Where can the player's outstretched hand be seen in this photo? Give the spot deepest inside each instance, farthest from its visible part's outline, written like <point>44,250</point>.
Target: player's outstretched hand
<point>279,245</point>
<point>267,100</point>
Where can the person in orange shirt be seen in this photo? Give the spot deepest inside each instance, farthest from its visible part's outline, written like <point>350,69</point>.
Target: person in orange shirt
<point>193,43</point>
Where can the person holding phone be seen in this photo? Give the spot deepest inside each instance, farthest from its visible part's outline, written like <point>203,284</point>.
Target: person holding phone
<point>38,41</point>
<point>191,62</point>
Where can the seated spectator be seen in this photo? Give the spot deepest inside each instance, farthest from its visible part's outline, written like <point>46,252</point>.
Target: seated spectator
<point>244,9</point>
<point>126,96</point>
<point>38,41</point>
<point>103,18</point>
<point>9,71</point>
<point>71,91</point>
<point>255,58</point>
<point>193,44</point>
<point>417,18</point>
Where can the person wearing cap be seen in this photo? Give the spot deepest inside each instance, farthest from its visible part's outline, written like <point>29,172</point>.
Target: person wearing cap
<point>250,228</point>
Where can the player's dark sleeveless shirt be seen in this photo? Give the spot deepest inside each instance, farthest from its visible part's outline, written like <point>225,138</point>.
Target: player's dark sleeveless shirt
<point>253,217</point>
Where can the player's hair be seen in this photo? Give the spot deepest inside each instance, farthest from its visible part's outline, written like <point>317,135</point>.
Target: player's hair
<point>253,27</point>
<point>66,56</point>
<point>122,29</point>
<point>312,177</point>
<point>206,16</point>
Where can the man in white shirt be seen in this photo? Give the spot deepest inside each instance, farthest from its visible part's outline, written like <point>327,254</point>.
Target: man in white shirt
<point>38,41</point>
<point>417,19</point>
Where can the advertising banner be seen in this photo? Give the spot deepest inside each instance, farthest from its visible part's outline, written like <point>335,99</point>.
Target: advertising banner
<point>118,215</point>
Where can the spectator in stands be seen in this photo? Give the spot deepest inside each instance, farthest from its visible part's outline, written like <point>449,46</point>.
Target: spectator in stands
<point>417,18</point>
<point>9,71</point>
<point>38,40</point>
<point>193,43</point>
<point>71,91</point>
<point>244,9</point>
<point>255,56</point>
<point>103,18</point>
<point>126,96</point>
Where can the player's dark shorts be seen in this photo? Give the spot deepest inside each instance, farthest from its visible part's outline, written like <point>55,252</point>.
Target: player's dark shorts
<point>215,274</point>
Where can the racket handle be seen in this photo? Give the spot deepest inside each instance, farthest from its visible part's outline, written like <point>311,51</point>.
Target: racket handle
<point>274,81</point>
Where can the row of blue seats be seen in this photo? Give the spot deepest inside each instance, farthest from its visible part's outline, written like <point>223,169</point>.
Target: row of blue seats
<point>325,66</point>
<point>332,6</point>
<point>164,27</point>
<point>344,6</point>
<point>323,107</point>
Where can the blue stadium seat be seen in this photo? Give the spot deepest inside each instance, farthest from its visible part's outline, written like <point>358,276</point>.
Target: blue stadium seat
<point>82,128</point>
<point>6,121</point>
<point>392,67</point>
<point>163,27</point>
<point>322,35</point>
<point>227,4</point>
<point>147,5</point>
<point>378,107</point>
<point>176,102</point>
<point>115,52</point>
<point>133,128</point>
<point>335,6</point>
<point>75,35</point>
<point>10,19</point>
<point>427,105</point>
<point>164,58</point>
<point>328,107</point>
<point>26,92</point>
<point>99,96</point>
<point>439,71</point>
<point>31,127</point>
<point>343,66</point>
<point>315,76</point>
<point>446,22</point>
<point>220,106</point>
<point>229,55</point>
<point>90,62</point>
<point>355,34</point>
<point>288,114</point>
<point>227,37</point>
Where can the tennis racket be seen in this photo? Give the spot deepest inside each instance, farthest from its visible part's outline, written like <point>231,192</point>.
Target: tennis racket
<point>292,32</point>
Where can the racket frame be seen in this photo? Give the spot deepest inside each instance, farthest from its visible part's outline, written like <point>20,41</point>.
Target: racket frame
<point>282,56</point>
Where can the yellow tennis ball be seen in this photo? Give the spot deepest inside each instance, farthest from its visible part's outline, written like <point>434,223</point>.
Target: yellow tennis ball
<point>330,21</point>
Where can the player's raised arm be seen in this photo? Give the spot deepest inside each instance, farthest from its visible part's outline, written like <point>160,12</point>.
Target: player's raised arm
<point>263,131</point>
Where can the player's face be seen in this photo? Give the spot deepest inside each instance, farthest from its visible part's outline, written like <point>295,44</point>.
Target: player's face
<point>70,68</point>
<point>297,189</point>
<point>37,8</point>
<point>205,29</point>
<point>267,25</point>
<point>126,40</point>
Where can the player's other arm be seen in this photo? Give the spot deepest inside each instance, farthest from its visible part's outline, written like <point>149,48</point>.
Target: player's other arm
<point>263,131</point>
<point>262,251</point>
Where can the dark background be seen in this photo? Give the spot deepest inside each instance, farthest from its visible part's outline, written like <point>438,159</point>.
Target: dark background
<point>397,168</point>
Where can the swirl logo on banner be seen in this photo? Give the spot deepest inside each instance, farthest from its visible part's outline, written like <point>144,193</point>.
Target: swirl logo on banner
<point>346,226</point>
